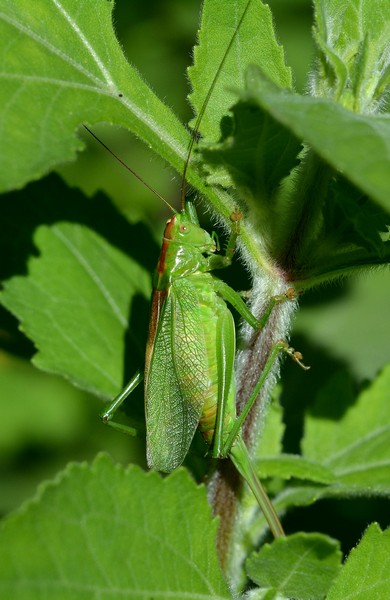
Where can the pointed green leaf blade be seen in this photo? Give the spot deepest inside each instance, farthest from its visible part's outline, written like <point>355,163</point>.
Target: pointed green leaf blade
<point>257,155</point>
<point>300,566</point>
<point>84,282</point>
<point>272,462</point>
<point>362,151</point>
<point>345,447</point>
<point>353,444</point>
<point>102,531</point>
<point>288,466</point>
<point>255,43</point>
<point>366,572</point>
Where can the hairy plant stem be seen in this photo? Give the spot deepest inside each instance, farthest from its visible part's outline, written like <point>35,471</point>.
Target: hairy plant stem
<point>251,359</point>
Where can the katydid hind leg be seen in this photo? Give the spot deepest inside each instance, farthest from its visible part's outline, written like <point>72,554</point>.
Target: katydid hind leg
<point>240,457</point>
<point>236,449</point>
<point>275,351</point>
<point>279,347</point>
<point>117,402</point>
<point>226,349</point>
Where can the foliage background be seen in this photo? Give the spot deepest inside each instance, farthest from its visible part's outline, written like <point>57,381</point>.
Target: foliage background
<point>45,422</point>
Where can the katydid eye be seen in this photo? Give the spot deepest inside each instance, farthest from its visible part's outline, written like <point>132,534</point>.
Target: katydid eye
<point>183,228</point>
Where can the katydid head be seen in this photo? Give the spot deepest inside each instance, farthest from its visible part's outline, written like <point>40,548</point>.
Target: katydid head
<point>180,229</point>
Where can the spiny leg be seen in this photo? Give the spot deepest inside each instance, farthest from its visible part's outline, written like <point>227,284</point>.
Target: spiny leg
<point>280,346</point>
<point>235,218</point>
<point>107,414</point>
<point>236,449</point>
<point>239,455</point>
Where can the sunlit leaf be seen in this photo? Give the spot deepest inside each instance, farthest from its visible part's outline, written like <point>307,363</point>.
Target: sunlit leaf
<point>104,531</point>
<point>300,566</point>
<point>365,574</point>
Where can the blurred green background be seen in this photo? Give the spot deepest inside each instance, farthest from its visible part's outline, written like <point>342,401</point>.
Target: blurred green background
<point>46,422</point>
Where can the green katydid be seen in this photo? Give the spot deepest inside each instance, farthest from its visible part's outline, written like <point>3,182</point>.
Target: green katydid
<point>189,366</point>
<point>188,377</point>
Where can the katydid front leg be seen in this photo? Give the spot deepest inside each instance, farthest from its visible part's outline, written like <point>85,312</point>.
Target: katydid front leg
<point>117,402</point>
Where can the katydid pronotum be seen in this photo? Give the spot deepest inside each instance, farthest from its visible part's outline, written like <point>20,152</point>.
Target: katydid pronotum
<point>188,377</point>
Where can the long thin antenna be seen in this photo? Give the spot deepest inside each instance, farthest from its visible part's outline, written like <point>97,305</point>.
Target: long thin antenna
<point>155,192</point>
<point>195,131</point>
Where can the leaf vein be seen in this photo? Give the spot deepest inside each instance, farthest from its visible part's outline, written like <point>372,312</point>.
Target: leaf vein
<point>93,275</point>
<point>86,44</point>
<point>357,444</point>
<point>48,46</point>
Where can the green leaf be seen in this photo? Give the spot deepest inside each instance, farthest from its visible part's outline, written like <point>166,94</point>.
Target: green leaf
<point>351,219</point>
<point>255,43</point>
<point>102,531</point>
<point>69,69</point>
<point>365,574</point>
<point>257,155</point>
<point>354,441</point>
<point>287,466</point>
<point>353,39</point>
<point>357,145</point>
<point>345,447</point>
<point>84,283</point>
<point>269,457</point>
<point>62,66</point>
<point>300,566</point>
